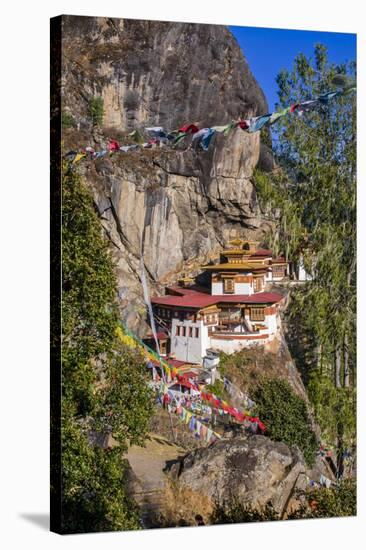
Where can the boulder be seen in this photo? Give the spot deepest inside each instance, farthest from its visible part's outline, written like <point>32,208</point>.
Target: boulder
<point>255,470</point>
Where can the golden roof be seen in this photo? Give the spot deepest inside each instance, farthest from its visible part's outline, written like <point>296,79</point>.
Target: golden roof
<point>241,242</point>
<point>235,251</point>
<point>234,266</point>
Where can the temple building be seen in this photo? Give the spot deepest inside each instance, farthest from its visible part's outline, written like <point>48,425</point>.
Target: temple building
<point>234,312</point>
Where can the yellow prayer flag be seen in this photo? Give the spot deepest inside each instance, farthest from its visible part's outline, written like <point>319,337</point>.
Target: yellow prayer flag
<point>79,156</point>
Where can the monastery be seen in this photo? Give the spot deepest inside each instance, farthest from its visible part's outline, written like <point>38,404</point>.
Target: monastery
<point>235,311</point>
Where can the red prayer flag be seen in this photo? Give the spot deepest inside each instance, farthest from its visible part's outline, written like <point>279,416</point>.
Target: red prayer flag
<point>243,124</point>
<point>113,145</point>
<point>189,129</point>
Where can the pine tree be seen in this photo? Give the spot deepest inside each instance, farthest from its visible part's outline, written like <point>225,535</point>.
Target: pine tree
<point>314,191</point>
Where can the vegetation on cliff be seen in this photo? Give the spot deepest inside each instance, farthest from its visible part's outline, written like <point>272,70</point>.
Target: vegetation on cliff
<point>104,389</point>
<point>286,417</point>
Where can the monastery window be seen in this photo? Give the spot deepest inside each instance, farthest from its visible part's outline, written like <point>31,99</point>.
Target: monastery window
<point>278,271</point>
<point>257,314</point>
<point>177,330</point>
<point>257,282</point>
<point>196,332</point>
<point>183,331</point>
<point>190,330</point>
<point>229,286</point>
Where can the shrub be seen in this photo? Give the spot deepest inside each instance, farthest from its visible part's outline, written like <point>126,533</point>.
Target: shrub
<point>67,120</point>
<point>338,501</point>
<point>286,417</point>
<point>96,110</point>
<point>235,511</point>
<point>218,389</point>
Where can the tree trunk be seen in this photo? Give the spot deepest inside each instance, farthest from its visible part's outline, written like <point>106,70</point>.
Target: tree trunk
<point>337,371</point>
<point>346,362</point>
<point>320,358</point>
<point>340,450</point>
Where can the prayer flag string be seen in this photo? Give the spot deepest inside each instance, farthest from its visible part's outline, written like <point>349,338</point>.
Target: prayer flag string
<point>157,136</point>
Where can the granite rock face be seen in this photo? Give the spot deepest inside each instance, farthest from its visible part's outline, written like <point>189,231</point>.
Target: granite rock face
<point>254,470</point>
<point>178,206</point>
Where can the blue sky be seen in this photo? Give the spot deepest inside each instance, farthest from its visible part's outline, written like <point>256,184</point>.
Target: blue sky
<point>270,50</point>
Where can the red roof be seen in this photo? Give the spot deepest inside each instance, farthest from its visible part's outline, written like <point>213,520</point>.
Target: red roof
<point>160,335</point>
<point>261,252</point>
<point>184,291</point>
<point>200,300</point>
<point>176,363</point>
<point>279,260</point>
<point>196,300</point>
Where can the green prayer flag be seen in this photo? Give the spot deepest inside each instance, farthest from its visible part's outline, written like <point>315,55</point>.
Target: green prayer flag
<point>179,138</point>
<point>230,127</point>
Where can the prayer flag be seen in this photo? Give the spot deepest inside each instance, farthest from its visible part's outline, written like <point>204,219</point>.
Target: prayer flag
<point>278,114</point>
<point>206,139</point>
<point>230,127</point>
<point>113,145</point>
<point>178,138</point>
<point>189,129</point>
<point>188,417</point>
<point>209,434</point>
<point>256,123</point>
<point>220,129</point>
<point>325,98</point>
<point>78,157</point>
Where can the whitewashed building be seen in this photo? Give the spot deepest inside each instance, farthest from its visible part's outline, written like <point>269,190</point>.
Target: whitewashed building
<point>232,314</point>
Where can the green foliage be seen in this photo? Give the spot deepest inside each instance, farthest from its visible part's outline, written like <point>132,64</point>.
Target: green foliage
<point>218,389</point>
<point>67,120</point>
<point>334,410</point>
<point>312,197</point>
<point>96,110</point>
<point>338,501</point>
<point>235,511</point>
<point>286,417</point>
<point>103,382</point>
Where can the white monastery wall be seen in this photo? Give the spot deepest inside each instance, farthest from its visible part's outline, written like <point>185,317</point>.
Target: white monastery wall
<point>217,289</point>
<point>243,288</point>
<point>189,348</point>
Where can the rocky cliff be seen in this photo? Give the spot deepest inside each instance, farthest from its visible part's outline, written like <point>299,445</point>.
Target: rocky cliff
<point>178,206</point>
